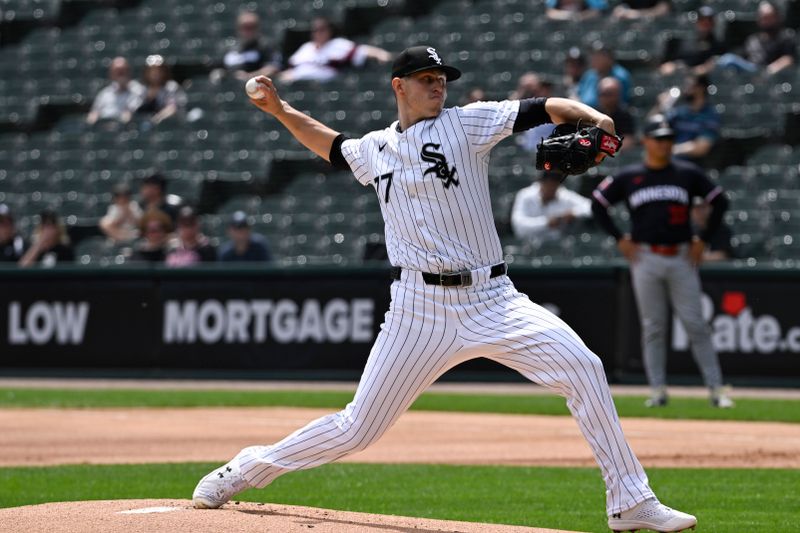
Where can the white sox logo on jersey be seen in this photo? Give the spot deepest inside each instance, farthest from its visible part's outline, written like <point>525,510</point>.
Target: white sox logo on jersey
<point>440,166</point>
<point>433,55</point>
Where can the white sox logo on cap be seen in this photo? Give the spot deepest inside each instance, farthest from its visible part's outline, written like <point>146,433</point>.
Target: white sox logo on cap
<point>433,55</point>
<point>419,58</point>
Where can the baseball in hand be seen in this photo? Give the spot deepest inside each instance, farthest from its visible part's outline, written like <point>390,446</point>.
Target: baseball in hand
<point>254,89</point>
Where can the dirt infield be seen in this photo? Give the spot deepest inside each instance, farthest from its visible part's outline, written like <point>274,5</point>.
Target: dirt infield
<point>176,516</point>
<point>97,436</point>
<point>116,435</point>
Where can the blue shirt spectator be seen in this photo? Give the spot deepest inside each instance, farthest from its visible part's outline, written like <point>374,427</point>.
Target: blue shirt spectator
<point>575,10</point>
<point>602,66</point>
<point>244,244</point>
<point>690,124</point>
<point>588,4</point>
<point>695,121</point>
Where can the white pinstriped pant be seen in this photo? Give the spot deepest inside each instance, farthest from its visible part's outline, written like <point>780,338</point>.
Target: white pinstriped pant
<point>430,329</point>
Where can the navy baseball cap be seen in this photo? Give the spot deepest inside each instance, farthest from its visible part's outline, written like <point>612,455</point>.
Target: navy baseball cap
<point>239,220</point>
<point>418,58</point>
<point>657,127</point>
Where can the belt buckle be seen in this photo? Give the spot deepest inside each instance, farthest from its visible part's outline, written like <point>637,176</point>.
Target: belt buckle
<point>466,278</point>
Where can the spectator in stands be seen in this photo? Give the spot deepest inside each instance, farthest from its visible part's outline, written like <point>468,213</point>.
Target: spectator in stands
<point>252,56</point>
<point>574,67</point>
<point>773,48</point>
<point>694,119</point>
<point>121,221</point>
<point>640,9</point>
<point>545,210</point>
<point>190,247</point>
<point>476,94</point>
<point>119,99</point>
<point>12,245</point>
<point>156,227</point>
<point>602,65</point>
<point>163,96</point>
<point>698,52</point>
<point>244,244</point>
<point>530,85</point>
<point>718,247</point>
<point>610,103</point>
<point>154,196</point>
<point>575,10</point>
<point>324,55</point>
<point>51,244</point>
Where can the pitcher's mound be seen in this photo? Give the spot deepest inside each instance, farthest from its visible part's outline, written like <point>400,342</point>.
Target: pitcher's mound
<point>177,516</point>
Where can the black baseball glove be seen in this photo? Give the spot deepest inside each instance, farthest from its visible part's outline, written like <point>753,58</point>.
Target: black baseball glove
<point>574,150</point>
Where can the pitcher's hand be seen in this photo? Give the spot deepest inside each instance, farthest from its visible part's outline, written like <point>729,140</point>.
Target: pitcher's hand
<point>271,102</point>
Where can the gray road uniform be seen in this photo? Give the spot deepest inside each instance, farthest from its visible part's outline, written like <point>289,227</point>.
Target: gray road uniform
<point>659,202</point>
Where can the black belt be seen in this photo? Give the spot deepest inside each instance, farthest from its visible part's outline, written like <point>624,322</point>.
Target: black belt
<point>454,279</point>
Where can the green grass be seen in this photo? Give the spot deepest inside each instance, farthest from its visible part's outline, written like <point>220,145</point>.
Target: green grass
<point>727,500</point>
<point>629,406</point>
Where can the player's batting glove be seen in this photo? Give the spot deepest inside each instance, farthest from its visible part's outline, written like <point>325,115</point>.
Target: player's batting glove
<point>570,150</point>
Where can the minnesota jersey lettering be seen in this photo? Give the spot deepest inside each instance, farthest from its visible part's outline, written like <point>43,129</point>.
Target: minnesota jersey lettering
<point>659,193</point>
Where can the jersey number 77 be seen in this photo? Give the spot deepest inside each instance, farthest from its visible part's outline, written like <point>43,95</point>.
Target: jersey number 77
<point>388,178</point>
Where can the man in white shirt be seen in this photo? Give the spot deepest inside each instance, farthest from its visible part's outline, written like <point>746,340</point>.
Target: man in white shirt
<point>119,99</point>
<point>321,58</point>
<point>544,209</point>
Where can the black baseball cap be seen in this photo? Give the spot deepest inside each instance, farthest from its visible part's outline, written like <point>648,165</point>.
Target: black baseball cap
<point>418,58</point>
<point>657,127</point>
<point>156,179</point>
<point>49,216</point>
<point>239,220</point>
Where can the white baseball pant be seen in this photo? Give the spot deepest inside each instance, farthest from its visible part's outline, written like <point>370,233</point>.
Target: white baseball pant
<point>430,329</point>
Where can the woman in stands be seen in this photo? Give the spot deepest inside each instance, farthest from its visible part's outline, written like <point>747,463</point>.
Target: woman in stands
<point>51,244</point>
<point>164,96</point>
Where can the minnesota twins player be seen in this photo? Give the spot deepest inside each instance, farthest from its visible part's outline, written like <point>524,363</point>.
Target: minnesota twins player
<point>451,298</point>
<point>664,253</point>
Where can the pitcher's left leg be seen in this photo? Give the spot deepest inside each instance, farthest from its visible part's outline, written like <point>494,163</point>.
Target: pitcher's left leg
<point>544,349</point>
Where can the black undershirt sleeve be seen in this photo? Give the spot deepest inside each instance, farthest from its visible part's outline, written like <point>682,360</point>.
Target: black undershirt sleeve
<point>718,207</point>
<point>531,114</point>
<point>604,220</point>
<point>336,158</point>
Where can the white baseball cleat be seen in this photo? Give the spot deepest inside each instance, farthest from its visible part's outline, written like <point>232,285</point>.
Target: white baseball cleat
<point>219,486</point>
<point>719,398</point>
<point>658,397</point>
<point>652,514</point>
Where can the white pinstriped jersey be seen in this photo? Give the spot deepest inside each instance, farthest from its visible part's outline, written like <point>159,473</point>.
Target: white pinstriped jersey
<point>433,186</point>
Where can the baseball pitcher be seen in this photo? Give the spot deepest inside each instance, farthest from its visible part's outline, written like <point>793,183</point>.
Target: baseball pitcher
<point>451,299</point>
